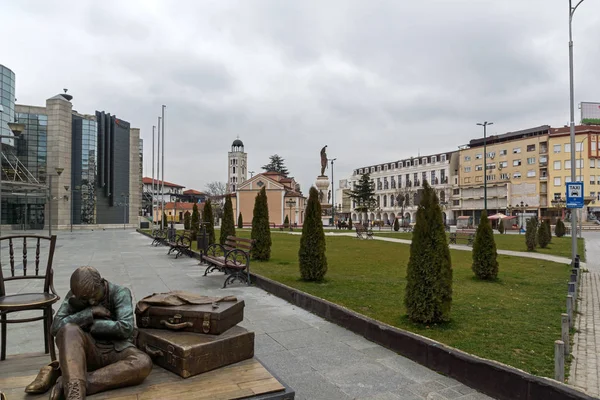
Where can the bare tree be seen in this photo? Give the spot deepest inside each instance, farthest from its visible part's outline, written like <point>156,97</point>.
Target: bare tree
<point>216,191</point>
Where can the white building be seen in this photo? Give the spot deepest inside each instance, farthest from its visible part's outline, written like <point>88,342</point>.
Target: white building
<point>405,178</point>
<point>237,171</point>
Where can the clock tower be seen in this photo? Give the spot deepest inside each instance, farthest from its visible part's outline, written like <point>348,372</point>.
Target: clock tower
<point>238,166</point>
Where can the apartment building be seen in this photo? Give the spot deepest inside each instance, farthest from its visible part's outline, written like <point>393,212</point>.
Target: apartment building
<point>587,165</point>
<point>516,169</point>
<point>406,177</point>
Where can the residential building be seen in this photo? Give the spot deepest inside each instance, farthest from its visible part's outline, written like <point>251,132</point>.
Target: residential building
<point>176,211</point>
<point>237,171</point>
<point>282,196</point>
<point>405,178</point>
<point>343,201</point>
<point>516,171</point>
<point>194,196</point>
<point>172,192</point>
<point>587,165</point>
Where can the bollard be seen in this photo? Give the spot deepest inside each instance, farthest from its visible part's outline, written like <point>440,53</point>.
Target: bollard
<point>570,311</point>
<point>571,289</point>
<point>564,319</point>
<point>559,361</point>
<point>576,264</point>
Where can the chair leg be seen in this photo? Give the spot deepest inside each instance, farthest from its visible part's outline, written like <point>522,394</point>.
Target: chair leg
<point>45,320</point>
<point>3,334</point>
<point>49,338</point>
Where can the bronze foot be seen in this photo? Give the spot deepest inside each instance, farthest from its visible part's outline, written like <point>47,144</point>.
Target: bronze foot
<point>45,379</point>
<point>57,392</point>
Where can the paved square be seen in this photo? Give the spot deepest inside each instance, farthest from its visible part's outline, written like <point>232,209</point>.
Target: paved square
<point>319,360</point>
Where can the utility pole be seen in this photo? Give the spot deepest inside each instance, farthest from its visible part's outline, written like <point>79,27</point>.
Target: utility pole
<point>332,194</point>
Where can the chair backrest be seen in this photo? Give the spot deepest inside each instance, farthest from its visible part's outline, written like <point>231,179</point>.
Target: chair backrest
<point>14,253</point>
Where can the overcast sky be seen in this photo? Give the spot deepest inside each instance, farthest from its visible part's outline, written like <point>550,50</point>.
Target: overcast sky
<point>376,81</point>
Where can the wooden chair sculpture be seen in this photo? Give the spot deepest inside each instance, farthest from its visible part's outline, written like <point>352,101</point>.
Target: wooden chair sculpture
<point>42,300</point>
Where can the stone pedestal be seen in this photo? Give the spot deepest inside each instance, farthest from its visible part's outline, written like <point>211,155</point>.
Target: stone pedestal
<point>322,183</point>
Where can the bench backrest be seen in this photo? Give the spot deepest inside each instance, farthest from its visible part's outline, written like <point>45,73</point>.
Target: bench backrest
<point>234,242</point>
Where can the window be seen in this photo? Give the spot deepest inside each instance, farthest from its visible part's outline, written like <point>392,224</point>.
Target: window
<point>479,179</point>
<point>378,168</point>
<point>478,156</point>
<point>531,147</point>
<point>517,175</point>
<point>592,163</point>
<point>557,181</point>
<point>424,160</point>
<point>593,146</point>
<point>372,169</point>
<point>489,166</point>
<point>467,180</point>
<point>592,179</point>
<point>557,148</point>
<point>433,159</point>
<point>516,150</point>
<point>479,167</point>
<point>579,163</point>
<point>567,148</point>
<point>433,177</point>
<point>443,158</point>
<point>456,202</point>
<point>467,158</point>
<point>567,179</point>
<point>491,177</point>
<point>579,146</point>
<point>531,173</point>
<point>567,164</point>
<point>491,154</point>
<point>556,196</point>
<point>503,152</point>
<point>385,167</point>
<point>504,176</point>
<point>516,163</point>
<point>503,164</point>
<point>543,159</point>
<point>593,194</point>
<point>455,191</point>
<point>531,160</point>
<point>598,177</point>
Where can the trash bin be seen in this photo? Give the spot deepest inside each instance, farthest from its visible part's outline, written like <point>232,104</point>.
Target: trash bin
<point>202,240</point>
<point>172,233</point>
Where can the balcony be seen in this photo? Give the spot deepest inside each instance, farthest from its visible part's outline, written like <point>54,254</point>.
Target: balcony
<point>543,150</point>
<point>543,178</point>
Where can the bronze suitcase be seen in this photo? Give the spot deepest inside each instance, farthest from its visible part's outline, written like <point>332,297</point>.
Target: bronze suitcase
<point>206,318</point>
<point>188,354</point>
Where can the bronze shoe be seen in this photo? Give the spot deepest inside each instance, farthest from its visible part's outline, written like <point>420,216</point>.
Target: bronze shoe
<point>45,379</point>
<point>2,396</point>
<point>57,392</point>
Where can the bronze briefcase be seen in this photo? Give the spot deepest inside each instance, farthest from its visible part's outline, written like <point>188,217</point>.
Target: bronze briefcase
<point>188,354</point>
<point>212,319</point>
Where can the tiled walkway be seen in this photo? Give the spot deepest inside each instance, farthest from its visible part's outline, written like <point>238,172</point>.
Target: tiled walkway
<point>318,359</point>
<point>586,349</point>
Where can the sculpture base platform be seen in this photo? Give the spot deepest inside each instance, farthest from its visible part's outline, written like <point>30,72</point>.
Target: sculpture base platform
<point>248,379</point>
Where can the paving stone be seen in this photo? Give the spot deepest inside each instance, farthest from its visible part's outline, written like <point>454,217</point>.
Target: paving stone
<point>265,344</point>
<point>314,386</point>
<point>301,338</point>
<point>423,389</point>
<point>285,364</point>
<point>410,369</point>
<point>323,358</point>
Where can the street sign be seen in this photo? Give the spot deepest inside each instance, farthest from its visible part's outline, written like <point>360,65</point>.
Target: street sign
<point>575,195</point>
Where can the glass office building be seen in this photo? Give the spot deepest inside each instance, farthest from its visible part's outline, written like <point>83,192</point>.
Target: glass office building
<point>84,163</point>
<point>7,100</point>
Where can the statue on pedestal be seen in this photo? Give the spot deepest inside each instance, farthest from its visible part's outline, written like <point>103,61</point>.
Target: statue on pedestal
<point>323,160</point>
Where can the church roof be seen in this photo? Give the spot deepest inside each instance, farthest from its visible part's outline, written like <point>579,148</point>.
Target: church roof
<point>237,142</point>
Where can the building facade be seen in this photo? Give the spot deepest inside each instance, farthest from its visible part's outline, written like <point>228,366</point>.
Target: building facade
<point>405,178</point>
<point>237,171</point>
<point>516,171</point>
<point>7,101</point>
<point>86,164</point>
<point>282,197</point>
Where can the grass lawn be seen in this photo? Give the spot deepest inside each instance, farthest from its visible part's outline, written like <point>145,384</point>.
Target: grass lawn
<point>515,320</point>
<point>558,247</point>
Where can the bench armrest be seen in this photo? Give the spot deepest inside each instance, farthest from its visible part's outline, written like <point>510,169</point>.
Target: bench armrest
<point>216,250</point>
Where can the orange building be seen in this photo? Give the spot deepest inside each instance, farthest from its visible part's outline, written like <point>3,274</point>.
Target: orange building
<point>283,197</point>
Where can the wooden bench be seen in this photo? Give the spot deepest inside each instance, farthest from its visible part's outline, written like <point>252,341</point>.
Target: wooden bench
<point>467,236</point>
<point>158,236</point>
<point>232,258</point>
<point>283,227</point>
<point>181,244</point>
<point>362,232</point>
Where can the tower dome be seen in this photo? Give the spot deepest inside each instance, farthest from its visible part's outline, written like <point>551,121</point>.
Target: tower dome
<point>237,142</point>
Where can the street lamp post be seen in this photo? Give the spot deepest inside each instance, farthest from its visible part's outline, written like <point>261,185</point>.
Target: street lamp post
<point>163,158</point>
<point>158,177</point>
<point>291,203</point>
<point>332,194</point>
<point>485,125</point>
<point>572,125</point>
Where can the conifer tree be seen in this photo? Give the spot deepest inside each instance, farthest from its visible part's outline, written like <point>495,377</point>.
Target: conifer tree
<point>364,194</point>
<point>195,222</point>
<point>207,217</point>
<point>350,224</point>
<point>396,225</point>
<point>543,238</point>
<point>187,221</point>
<point>559,229</point>
<point>501,226</point>
<point>428,296</point>
<point>228,225</point>
<point>531,234</point>
<point>166,223</point>
<point>485,256</point>
<point>286,222</point>
<point>548,230</point>
<point>311,255</point>
<point>261,231</point>
<point>240,221</point>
